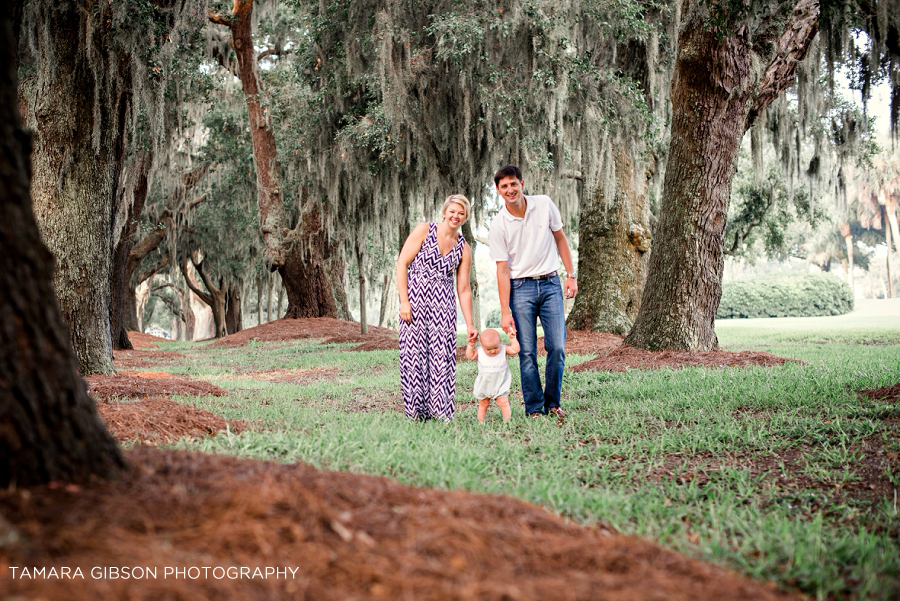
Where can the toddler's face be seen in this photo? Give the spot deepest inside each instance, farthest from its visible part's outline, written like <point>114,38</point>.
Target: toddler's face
<point>491,350</point>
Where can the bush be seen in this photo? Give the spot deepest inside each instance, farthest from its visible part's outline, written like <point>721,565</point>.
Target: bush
<point>785,295</point>
<point>492,320</point>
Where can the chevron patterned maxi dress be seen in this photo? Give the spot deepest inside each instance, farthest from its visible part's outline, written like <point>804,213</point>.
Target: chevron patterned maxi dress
<point>428,343</point>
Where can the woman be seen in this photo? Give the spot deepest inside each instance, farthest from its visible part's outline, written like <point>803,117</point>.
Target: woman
<point>428,311</point>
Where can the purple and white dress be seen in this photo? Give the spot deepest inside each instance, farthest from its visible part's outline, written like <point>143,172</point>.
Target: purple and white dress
<point>428,343</point>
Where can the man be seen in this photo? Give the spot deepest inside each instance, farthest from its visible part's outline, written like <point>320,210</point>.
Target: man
<point>525,237</point>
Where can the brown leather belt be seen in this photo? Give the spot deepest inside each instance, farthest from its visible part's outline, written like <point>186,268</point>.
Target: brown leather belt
<point>546,276</point>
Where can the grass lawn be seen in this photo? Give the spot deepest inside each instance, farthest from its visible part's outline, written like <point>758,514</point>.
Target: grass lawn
<point>759,470</point>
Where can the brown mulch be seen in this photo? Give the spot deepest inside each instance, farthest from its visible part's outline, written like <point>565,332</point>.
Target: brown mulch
<point>144,341</point>
<point>347,536</point>
<point>147,384</point>
<point>329,329</point>
<point>624,358</point>
<point>139,359</point>
<point>613,355</point>
<point>152,421</point>
<point>889,393</point>
<point>133,408</point>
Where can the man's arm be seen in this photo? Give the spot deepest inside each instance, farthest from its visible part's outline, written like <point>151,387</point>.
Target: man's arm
<point>506,321</point>
<point>562,245</point>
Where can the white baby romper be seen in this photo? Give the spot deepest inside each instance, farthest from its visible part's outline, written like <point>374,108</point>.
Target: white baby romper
<point>494,377</point>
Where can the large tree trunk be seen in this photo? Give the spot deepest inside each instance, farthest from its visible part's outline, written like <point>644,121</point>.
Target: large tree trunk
<point>79,123</point>
<point>234,320</point>
<point>121,293</point>
<point>718,90</point>
<point>309,291</point>
<point>305,275</point>
<point>49,428</point>
<point>613,240</point>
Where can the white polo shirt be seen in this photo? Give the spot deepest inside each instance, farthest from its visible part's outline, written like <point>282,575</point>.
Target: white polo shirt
<point>527,242</point>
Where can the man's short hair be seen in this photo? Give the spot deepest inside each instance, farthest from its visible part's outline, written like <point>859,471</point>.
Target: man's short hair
<point>508,171</point>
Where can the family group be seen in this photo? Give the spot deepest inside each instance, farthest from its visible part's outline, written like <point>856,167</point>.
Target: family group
<point>527,242</point>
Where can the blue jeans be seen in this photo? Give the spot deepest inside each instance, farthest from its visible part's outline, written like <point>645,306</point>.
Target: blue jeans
<point>528,300</point>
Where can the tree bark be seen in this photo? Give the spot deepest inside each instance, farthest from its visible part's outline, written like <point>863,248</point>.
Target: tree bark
<point>234,320</point>
<point>305,278</point>
<point>49,427</point>
<point>136,186</point>
<point>614,237</point>
<point>214,298</point>
<point>269,297</point>
<point>259,310</point>
<point>309,290</point>
<point>76,162</point>
<point>360,266</point>
<point>718,91</point>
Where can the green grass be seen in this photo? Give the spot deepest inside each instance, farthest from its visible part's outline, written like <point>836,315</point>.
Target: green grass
<point>752,469</point>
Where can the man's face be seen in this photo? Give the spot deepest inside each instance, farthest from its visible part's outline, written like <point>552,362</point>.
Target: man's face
<point>510,189</point>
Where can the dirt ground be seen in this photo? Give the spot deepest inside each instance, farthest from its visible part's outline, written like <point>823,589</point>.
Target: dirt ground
<point>193,526</point>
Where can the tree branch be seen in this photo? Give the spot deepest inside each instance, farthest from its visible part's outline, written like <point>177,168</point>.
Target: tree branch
<point>790,49</point>
<point>149,273</point>
<point>268,52</point>
<point>206,298</point>
<point>218,18</point>
<point>207,281</point>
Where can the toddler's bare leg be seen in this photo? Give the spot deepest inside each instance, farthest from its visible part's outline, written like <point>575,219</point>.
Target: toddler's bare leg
<point>503,403</point>
<point>483,405</point>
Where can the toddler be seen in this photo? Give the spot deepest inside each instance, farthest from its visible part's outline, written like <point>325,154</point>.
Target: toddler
<point>494,377</point>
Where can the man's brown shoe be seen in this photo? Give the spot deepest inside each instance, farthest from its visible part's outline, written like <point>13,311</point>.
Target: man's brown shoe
<point>558,412</point>
<point>535,415</point>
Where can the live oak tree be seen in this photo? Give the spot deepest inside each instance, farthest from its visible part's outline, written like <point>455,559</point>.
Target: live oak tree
<point>300,254</point>
<point>94,95</point>
<point>734,59</point>
<point>49,427</point>
<point>731,63</point>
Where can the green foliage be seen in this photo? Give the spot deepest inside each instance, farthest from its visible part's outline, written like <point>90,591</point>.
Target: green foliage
<point>492,320</point>
<point>785,295</point>
<point>768,217</point>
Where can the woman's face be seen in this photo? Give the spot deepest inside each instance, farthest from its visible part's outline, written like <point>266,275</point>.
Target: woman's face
<point>454,215</point>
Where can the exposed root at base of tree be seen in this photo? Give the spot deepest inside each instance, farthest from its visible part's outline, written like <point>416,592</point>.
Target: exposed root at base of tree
<point>347,536</point>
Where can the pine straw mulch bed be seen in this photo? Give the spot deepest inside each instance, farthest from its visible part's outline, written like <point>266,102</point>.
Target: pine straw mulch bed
<point>134,407</point>
<point>348,536</point>
<point>614,356</point>
<point>328,329</point>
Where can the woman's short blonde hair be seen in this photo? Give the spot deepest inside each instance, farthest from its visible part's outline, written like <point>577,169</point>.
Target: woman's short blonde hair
<point>460,200</point>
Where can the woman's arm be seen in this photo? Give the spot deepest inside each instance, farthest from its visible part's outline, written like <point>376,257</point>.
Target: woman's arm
<point>464,291</point>
<point>408,253</point>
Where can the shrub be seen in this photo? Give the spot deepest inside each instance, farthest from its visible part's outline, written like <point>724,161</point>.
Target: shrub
<point>785,295</point>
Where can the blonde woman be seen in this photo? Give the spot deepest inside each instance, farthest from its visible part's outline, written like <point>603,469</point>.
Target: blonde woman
<point>425,278</point>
